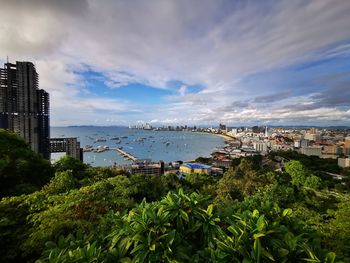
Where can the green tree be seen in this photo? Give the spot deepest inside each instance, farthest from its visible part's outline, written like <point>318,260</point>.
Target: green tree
<point>301,176</point>
<point>61,183</point>
<point>77,167</point>
<point>21,170</point>
<point>338,231</point>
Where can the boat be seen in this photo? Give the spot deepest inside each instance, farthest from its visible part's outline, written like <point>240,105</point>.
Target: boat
<point>101,149</point>
<point>88,148</point>
<point>114,138</point>
<point>124,137</point>
<point>100,140</point>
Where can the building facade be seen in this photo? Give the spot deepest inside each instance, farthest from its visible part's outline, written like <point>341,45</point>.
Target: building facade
<point>346,147</point>
<point>344,162</point>
<point>198,168</point>
<point>71,146</point>
<point>24,108</point>
<point>260,146</point>
<point>312,151</point>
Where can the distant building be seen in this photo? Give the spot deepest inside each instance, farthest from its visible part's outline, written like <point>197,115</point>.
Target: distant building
<point>71,146</point>
<point>304,143</point>
<point>311,136</point>
<point>312,131</point>
<point>277,147</point>
<point>312,151</point>
<point>344,162</point>
<point>199,168</point>
<point>147,167</point>
<point>226,163</point>
<point>300,143</point>
<point>346,148</point>
<point>260,146</point>
<point>222,127</point>
<point>233,132</point>
<point>24,108</point>
<point>297,144</point>
<point>333,149</point>
<point>147,126</point>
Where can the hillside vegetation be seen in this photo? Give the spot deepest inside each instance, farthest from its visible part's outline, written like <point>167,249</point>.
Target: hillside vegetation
<point>70,212</point>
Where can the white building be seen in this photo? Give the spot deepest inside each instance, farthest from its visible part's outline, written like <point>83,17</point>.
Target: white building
<point>233,132</point>
<point>297,144</point>
<point>260,146</point>
<point>147,126</point>
<point>344,162</point>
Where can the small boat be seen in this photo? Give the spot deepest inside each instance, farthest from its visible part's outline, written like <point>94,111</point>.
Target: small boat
<point>87,149</point>
<point>100,140</point>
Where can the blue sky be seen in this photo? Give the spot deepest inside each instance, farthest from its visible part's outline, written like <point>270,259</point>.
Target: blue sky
<point>186,62</point>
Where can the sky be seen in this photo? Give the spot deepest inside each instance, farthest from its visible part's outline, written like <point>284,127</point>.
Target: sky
<point>193,62</point>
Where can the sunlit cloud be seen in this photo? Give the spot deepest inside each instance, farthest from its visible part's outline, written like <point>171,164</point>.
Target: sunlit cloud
<point>216,45</point>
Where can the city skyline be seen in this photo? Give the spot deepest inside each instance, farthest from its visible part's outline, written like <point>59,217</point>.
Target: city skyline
<point>181,62</point>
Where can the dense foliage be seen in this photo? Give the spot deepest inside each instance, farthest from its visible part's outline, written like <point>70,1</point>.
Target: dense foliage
<point>250,214</point>
<point>21,171</point>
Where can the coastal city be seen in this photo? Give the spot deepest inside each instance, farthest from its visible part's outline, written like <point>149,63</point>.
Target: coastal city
<point>239,142</point>
<point>174,131</point>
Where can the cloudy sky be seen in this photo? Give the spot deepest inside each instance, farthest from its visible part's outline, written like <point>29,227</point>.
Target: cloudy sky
<point>185,61</point>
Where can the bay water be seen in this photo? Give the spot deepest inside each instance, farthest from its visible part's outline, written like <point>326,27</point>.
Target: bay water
<point>168,146</point>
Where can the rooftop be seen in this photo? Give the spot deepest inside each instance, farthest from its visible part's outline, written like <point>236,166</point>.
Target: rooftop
<point>196,166</point>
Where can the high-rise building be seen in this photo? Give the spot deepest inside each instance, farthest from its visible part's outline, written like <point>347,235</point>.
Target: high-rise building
<point>24,108</point>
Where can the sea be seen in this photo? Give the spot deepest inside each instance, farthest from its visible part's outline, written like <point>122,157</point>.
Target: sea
<point>169,146</point>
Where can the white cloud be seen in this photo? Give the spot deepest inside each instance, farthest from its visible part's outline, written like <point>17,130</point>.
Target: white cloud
<point>211,43</point>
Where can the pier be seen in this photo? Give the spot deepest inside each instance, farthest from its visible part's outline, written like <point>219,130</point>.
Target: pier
<point>126,155</point>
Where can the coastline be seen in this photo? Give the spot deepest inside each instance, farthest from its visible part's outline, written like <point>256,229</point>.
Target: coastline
<point>226,137</point>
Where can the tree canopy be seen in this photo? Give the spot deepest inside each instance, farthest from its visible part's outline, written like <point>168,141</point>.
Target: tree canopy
<point>78,213</point>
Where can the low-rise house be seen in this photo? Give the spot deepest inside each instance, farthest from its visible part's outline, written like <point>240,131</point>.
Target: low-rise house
<point>199,168</point>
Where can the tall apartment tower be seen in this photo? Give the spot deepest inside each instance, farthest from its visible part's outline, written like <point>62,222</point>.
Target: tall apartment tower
<point>24,108</point>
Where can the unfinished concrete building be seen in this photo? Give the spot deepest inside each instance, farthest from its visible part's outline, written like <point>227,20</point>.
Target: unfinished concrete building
<point>24,108</point>
<point>71,146</point>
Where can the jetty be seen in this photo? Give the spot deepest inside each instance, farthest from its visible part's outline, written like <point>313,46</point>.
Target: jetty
<point>126,155</point>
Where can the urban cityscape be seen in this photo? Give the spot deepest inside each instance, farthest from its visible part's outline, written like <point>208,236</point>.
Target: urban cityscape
<point>173,131</point>
<point>25,110</point>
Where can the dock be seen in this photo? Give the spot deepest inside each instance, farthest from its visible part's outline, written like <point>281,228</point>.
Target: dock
<point>126,155</point>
